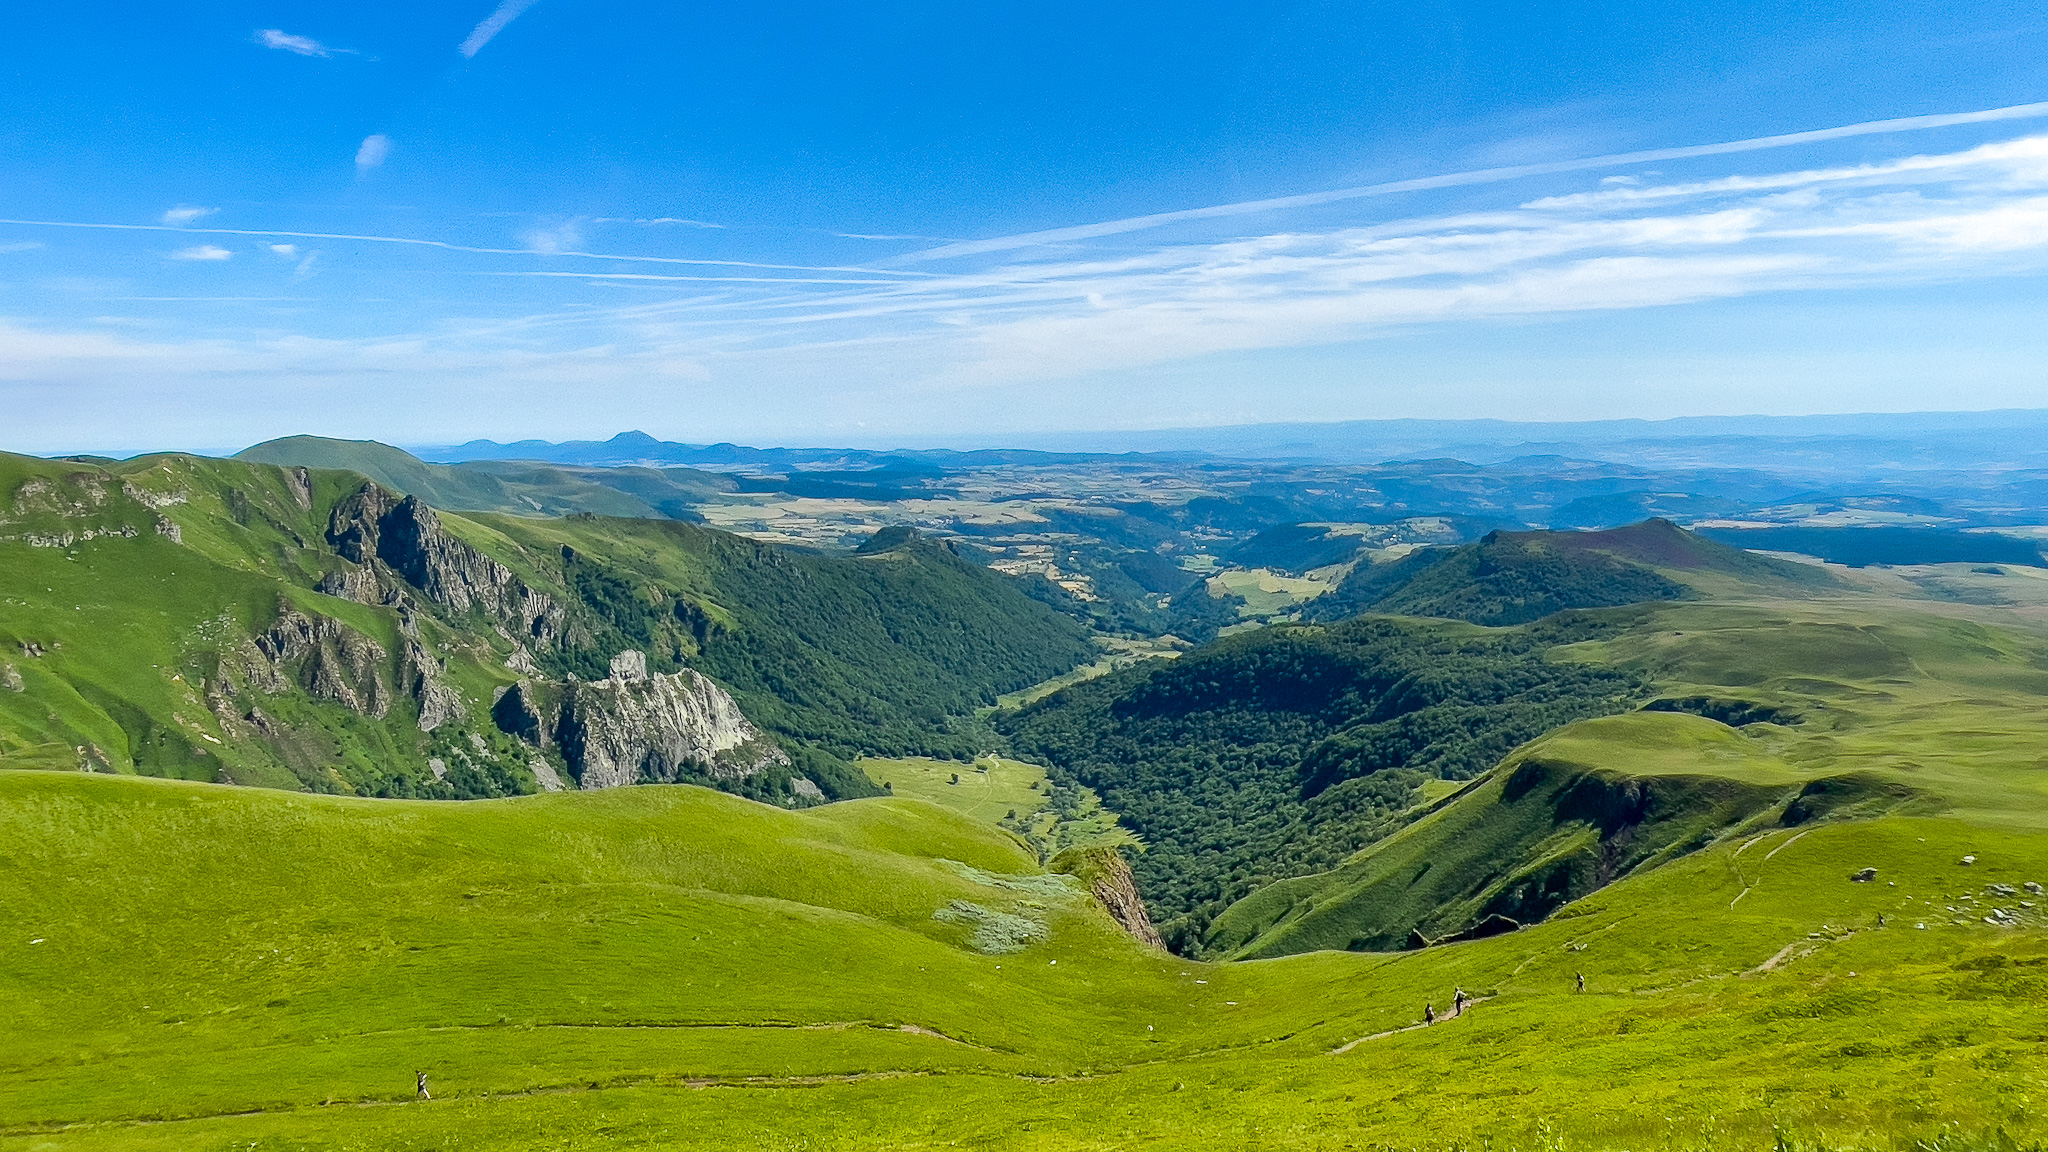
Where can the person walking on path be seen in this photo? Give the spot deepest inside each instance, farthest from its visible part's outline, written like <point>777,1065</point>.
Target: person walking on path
<point>424,1094</point>
<point>1458,1000</point>
<point>1582,981</point>
<point>1428,1015</point>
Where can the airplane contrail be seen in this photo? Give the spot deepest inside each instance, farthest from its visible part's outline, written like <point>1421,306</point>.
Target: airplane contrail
<point>1478,176</point>
<point>441,244</point>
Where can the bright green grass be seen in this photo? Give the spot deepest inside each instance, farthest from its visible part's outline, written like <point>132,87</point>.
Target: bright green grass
<point>670,967</point>
<point>1119,652</point>
<point>1009,793</point>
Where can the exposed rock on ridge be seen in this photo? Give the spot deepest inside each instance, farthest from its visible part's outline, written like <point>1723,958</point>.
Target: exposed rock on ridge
<point>634,728</point>
<point>335,662</point>
<point>375,527</point>
<point>1108,876</point>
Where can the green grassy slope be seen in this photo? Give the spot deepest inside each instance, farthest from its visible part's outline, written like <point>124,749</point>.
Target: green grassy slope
<point>191,967</point>
<point>1878,707</point>
<point>136,601</point>
<point>1515,577</point>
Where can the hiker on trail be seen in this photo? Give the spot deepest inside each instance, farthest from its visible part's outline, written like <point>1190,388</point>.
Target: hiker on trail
<point>1582,981</point>
<point>1458,1000</point>
<point>1428,1015</point>
<point>424,1094</point>
<point>1880,919</point>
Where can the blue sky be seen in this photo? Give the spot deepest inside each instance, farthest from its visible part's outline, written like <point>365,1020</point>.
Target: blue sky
<point>803,222</point>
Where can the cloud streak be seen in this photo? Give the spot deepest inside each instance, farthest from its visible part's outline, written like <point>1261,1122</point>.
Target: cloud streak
<point>492,25</point>
<point>286,42</point>
<point>1046,313</point>
<point>1477,176</point>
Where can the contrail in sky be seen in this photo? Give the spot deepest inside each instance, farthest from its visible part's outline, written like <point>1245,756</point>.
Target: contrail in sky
<point>442,244</point>
<point>492,25</point>
<point>1479,176</point>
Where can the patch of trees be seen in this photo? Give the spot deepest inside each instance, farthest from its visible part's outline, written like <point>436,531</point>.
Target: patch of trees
<point>1280,752</point>
<point>1506,578</point>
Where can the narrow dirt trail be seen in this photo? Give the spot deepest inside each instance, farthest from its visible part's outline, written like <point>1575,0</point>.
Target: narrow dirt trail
<point>1469,1005</point>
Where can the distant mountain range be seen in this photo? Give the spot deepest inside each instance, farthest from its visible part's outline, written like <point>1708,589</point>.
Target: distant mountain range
<point>1835,445</point>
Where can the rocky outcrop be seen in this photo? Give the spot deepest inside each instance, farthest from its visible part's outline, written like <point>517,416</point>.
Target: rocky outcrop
<point>333,661</point>
<point>377,529</point>
<point>1108,876</point>
<point>419,676</point>
<point>637,728</point>
<point>300,482</point>
<point>329,659</point>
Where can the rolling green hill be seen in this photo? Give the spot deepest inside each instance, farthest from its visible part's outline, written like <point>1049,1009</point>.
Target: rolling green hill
<point>1845,709</point>
<point>201,968</point>
<point>1515,577</point>
<point>224,620</point>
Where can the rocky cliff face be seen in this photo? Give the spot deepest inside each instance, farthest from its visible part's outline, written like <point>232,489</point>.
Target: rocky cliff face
<point>1108,876</point>
<point>635,728</point>
<point>377,529</point>
<point>330,660</point>
<point>333,661</point>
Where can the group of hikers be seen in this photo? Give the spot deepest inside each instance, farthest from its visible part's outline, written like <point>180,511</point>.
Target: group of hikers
<point>1458,1002</point>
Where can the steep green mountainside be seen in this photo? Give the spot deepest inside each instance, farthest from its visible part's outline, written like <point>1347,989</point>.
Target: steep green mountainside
<point>196,968</point>
<point>1844,709</point>
<point>1515,577</point>
<point>1279,752</point>
<point>879,652</point>
<point>518,487</point>
<point>223,620</point>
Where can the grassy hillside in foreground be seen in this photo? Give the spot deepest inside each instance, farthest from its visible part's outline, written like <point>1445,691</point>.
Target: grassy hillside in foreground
<point>1844,706</point>
<point>200,968</point>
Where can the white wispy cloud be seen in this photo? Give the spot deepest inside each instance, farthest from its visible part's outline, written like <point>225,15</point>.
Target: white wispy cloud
<point>371,153</point>
<point>1478,176</point>
<point>21,246</point>
<point>655,222</point>
<point>1050,312</point>
<point>492,25</point>
<point>202,252</point>
<point>285,41</point>
<point>185,214</point>
<point>554,239</point>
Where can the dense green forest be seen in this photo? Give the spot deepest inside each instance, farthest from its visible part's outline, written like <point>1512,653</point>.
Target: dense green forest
<point>1280,752</point>
<point>1506,578</point>
<point>888,651</point>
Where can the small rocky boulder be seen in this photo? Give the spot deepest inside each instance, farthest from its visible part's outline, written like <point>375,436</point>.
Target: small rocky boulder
<point>1864,875</point>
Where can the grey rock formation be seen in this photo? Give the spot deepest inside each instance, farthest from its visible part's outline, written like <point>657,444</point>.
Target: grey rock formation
<point>300,481</point>
<point>330,660</point>
<point>544,773</point>
<point>419,676</point>
<point>10,678</point>
<point>635,728</point>
<point>374,527</point>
